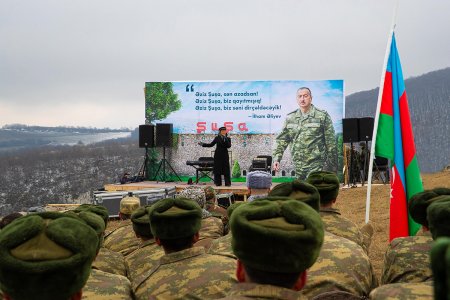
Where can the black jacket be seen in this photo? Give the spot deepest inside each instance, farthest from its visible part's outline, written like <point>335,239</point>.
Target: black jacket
<point>221,159</point>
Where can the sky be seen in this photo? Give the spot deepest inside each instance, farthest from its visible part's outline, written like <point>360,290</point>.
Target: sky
<point>85,62</point>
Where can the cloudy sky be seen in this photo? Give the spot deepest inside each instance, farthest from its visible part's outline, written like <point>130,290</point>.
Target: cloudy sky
<point>84,62</point>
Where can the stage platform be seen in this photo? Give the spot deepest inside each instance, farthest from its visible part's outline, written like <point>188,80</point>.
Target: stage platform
<point>237,188</point>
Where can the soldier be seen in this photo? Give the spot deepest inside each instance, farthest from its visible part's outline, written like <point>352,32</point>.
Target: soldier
<point>407,258</point>
<point>46,256</point>
<point>184,271</point>
<point>122,239</point>
<point>309,133</point>
<point>212,227</point>
<point>276,270</point>
<point>147,255</point>
<point>217,211</point>
<point>342,265</point>
<point>440,264</point>
<point>328,185</point>
<point>258,184</point>
<point>9,218</point>
<point>404,291</point>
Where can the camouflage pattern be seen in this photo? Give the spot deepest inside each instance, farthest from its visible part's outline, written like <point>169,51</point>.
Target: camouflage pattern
<point>404,291</point>
<point>262,291</point>
<point>123,239</point>
<point>254,197</point>
<point>222,246</point>
<point>335,223</point>
<point>110,262</point>
<point>212,227</point>
<point>189,273</point>
<point>141,260</point>
<point>342,266</point>
<point>407,259</point>
<point>220,212</point>
<point>106,286</point>
<point>311,140</point>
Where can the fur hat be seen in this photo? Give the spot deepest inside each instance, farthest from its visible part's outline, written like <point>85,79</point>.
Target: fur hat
<point>175,218</point>
<point>276,236</point>
<point>298,190</point>
<point>419,203</point>
<point>46,256</point>
<point>232,207</point>
<point>259,180</point>
<point>438,216</point>
<point>210,194</point>
<point>440,264</point>
<point>194,193</point>
<point>141,222</point>
<point>96,209</point>
<point>93,220</point>
<point>327,183</point>
<point>129,204</point>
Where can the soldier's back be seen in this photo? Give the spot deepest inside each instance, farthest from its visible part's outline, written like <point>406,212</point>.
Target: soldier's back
<point>262,291</point>
<point>342,265</point>
<point>123,239</point>
<point>189,273</point>
<point>212,227</point>
<point>222,246</point>
<point>106,286</point>
<point>407,259</point>
<point>404,291</point>
<point>110,262</point>
<point>141,260</point>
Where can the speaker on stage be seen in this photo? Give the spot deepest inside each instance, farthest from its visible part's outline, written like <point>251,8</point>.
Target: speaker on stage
<point>164,133</point>
<point>146,136</point>
<point>350,130</point>
<point>365,129</point>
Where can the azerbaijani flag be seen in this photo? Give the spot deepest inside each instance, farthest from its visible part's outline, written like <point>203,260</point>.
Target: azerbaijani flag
<point>395,141</point>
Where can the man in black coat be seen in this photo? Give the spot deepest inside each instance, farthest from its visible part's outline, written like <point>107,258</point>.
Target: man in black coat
<point>221,159</point>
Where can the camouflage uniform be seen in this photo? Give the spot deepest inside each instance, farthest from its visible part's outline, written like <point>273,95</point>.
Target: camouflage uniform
<point>141,260</point>
<point>107,286</point>
<point>220,212</point>
<point>311,139</point>
<point>342,266</point>
<point>110,262</point>
<point>222,246</point>
<point>407,259</point>
<point>186,273</point>
<point>262,291</point>
<point>335,223</point>
<point>404,291</point>
<point>123,239</point>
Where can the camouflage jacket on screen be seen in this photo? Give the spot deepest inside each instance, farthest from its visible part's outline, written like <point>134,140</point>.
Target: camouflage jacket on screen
<point>123,239</point>
<point>342,265</point>
<point>335,223</point>
<point>311,139</point>
<point>262,291</point>
<point>407,259</point>
<point>189,273</point>
<point>107,286</point>
<point>110,262</point>
<point>404,291</point>
<point>142,260</point>
<point>222,246</point>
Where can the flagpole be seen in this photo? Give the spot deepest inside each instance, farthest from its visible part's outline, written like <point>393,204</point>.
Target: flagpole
<point>377,112</point>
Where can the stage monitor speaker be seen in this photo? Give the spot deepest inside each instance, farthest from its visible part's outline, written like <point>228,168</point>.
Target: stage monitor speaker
<point>164,134</point>
<point>146,136</point>
<point>350,130</point>
<point>365,129</point>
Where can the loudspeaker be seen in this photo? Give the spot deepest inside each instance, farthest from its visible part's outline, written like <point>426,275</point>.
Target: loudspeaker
<point>146,136</point>
<point>365,129</point>
<point>164,134</point>
<point>350,130</point>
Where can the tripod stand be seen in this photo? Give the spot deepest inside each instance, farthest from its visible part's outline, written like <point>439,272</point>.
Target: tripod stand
<point>162,164</point>
<point>143,170</point>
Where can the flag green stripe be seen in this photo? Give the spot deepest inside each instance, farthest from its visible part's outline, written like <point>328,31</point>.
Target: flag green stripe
<point>413,186</point>
<point>384,145</point>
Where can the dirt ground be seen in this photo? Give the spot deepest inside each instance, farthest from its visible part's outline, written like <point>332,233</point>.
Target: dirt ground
<point>352,204</point>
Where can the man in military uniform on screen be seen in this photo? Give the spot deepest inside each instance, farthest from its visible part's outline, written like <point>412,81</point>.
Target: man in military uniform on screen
<point>309,133</point>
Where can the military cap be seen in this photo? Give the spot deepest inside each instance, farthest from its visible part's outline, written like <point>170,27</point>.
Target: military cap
<point>175,218</point>
<point>222,128</point>
<point>298,190</point>
<point>327,183</point>
<point>96,209</point>
<point>210,194</point>
<point>95,221</point>
<point>418,205</point>
<point>438,216</point>
<point>141,222</point>
<point>194,193</point>
<point>259,180</point>
<point>440,264</point>
<point>46,256</point>
<point>129,204</point>
<point>294,229</point>
<point>232,207</point>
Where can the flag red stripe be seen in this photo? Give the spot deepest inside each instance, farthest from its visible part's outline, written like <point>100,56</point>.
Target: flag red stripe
<point>409,150</point>
<point>386,100</point>
<point>398,219</point>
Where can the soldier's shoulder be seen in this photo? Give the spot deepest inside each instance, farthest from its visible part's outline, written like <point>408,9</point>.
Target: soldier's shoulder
<point>321,112</point>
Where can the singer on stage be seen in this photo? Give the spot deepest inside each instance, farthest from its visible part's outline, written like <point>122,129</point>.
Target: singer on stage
<point>221,159</point>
